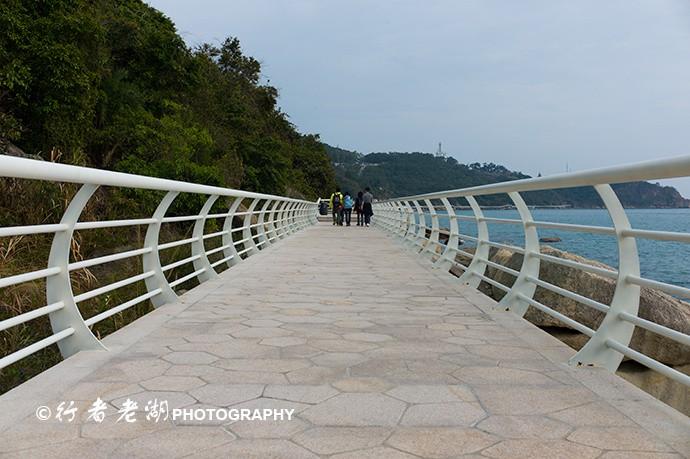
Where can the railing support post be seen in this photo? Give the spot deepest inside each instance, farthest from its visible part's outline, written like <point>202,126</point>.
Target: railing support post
<point>230,252</point>
<point>151,261</point>
<point>481,252</point>
<point>626,297</point>
<point>198,246</point>
<point>59,286</point>
<point>447,258</point>
<point>247,236</point>
<point>530,264</point>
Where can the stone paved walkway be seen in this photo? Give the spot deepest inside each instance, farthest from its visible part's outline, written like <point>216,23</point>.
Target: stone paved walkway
<point>379,356</point>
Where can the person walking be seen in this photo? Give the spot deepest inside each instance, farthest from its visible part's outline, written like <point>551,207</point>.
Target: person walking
<point>348,204</point>
<point>367,199</point>
<point>358,209</point>
<point>337,207</point>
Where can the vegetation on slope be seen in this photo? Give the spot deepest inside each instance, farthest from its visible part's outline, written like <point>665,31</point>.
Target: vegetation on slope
<point>404,174</point>
<point>112,85</point>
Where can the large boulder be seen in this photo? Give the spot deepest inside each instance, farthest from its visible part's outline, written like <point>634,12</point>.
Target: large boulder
<point>655,306</point>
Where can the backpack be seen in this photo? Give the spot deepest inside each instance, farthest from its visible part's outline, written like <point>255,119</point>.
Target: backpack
<point>348,202</point>
<point>336,200</point>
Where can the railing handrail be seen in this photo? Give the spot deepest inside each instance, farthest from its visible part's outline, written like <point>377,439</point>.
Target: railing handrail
<point>674,167</point>
<point>32,169</point>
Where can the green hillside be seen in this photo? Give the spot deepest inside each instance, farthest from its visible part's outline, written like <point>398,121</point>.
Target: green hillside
<point>403,174</point>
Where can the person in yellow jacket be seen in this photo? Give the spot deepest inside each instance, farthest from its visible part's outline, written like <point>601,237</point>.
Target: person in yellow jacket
<point>337,207</point>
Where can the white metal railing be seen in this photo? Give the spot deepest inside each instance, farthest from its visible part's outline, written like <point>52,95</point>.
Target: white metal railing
<point>276,218</point>
<point>408,218</point>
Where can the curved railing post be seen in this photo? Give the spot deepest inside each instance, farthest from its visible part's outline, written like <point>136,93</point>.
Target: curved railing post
<point>281,219</point>
<point>410,233</point>
<point>151,259</point>
<point>59,286</point>
<point>447,258</point>
<point>430,251</point>
<point>530,264</point>
<point>421,241</point>
<point>626,297</point>
<point>230,251</point>
<point>261,222</point>
<point>198,247</point>
<point>481,253</point>
<point>272,232</point>
<point>402,220</point>
<point>247,236</point>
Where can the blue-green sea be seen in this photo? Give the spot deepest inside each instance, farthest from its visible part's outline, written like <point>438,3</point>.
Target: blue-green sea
<point>659,260</point>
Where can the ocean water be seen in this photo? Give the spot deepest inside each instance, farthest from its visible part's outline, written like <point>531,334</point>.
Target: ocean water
<point>659,260</point>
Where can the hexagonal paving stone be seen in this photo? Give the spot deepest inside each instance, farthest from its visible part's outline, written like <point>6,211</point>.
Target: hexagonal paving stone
<point>262,333</point>
<point>368,337</point>
<point>301,393</point>
<point>190,358</point>
<point>269,365</point>
<point>332,440</point>
<point>593,414</point>
<point>443,414</point>
<point>356,409</point>
<point>525,427</point>
<point>526,400</point>
<point>174,442</point>
<point>172,383</point>
<point>227,394</point>
<point>380,452</point>
<point>440,442</point>
<point>540,449</point>
<point>258,449</point>
<point>500,375</point>
<point>338,359</point>
<point>268,428</point>
<point>283,341</point>
<point>617,438</point>
<point>262,323</point>
<point>423,393</point>
<point>363,384</point>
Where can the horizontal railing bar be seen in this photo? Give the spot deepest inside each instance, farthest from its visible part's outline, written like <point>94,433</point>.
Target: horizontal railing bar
<point>500,267</point>
<point>114,223</point>
<point>244,250</point>
<point>169,245</point>
<point>32,229</point>
<point>187,277</point>
<point>657,235</point>
<point>37,346</point>
<point>27,316</point>
<point>185,218</point>
<point>568,294</point>
<point>216,234</point>
<point>251,213</point>
<point>509,247</point>
<point>506,221</point>
<point>649,362</point>
<point>654,327</point>
<point>218,249</point>
<point>180,263</point>
<point>126,305</point>
<point>107,258</point>
<point>641,171</point>
<point>573,228</point>
<point>663,286</point>
<point>576,265</point>
<point>243,240</point>
<point>261,243</point>
<point>213,265</point>
<point>24,168</point>
<point>28,277</point>
<point>110,287</point>
<point>467,236</point>
<point>557,315</point>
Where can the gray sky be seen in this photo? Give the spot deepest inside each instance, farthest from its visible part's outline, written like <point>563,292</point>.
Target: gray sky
<point>532,85</point>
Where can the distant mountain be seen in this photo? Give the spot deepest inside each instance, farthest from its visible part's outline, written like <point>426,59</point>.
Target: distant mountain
<point>404,174</point>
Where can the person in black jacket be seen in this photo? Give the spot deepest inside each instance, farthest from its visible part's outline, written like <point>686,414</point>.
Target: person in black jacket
<point>358,209</point>
<point>367,200</point>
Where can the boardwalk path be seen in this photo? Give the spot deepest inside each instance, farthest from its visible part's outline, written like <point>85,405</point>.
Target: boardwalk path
<point>379,356</point>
